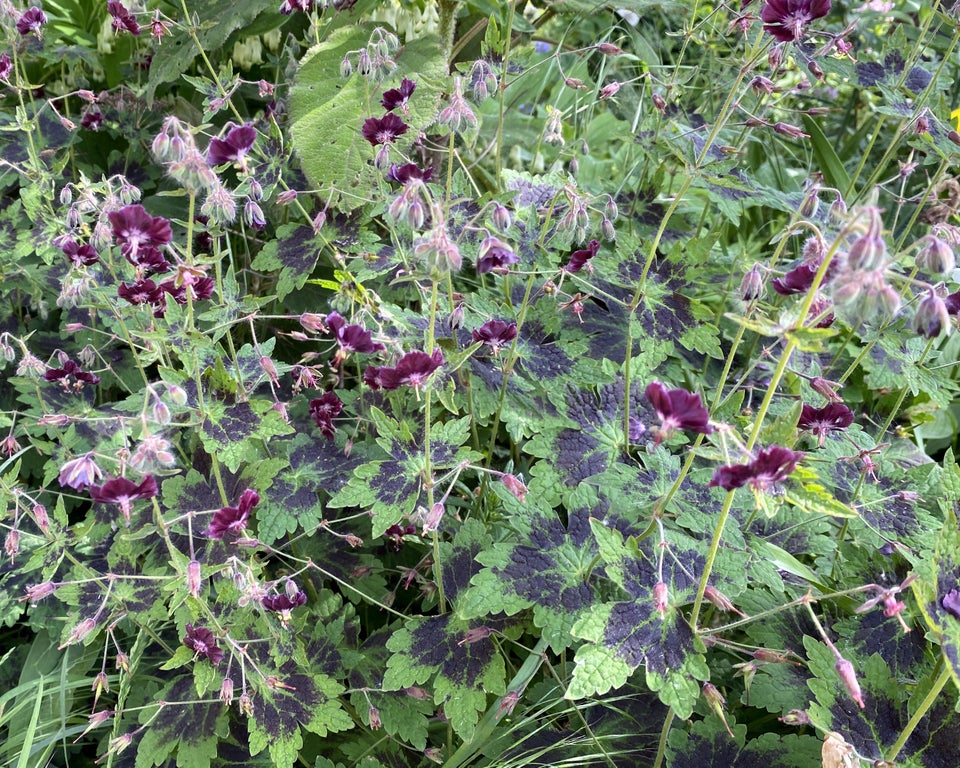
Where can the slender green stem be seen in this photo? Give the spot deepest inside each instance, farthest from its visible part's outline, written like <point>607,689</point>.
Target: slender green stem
<point>662,743</point>
<point>922,710</point>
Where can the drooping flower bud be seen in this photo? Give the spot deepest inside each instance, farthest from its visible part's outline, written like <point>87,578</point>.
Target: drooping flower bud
<point>932,317</point>
<point>193,578</point>
<point>848,677</point>
<point>661,596</point>
<point>751,286</point>
<point>936,256</point>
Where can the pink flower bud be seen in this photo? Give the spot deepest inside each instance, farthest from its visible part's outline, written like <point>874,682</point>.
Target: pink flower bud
<point>79,632</point>
<point>717,598</point>
<point>515,486</point>
<point>609,90</point>
<point>609,49</point>
<point>193,578</point>
<point>11,544</point>
<point>373,716</point>
<point>226,691</point>
<point>659,103</point>
<point>849,679</point>
<point>751,286</point>
<point>791,131</point>
<point>37,592</point>
<point>433,518</point>
<point>661,596</point>
<point>475,635</point>
<point>286,197</point>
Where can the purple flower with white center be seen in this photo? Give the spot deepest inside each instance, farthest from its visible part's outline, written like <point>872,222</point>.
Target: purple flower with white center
<point>786,20</point>
<point>412,370</point>
<point>395,534</point>
<point>80,472</point>
<point>233,148</point>
<point>32,20</point>
<point>149,261</point>
<point>579,258</point>
<point>80,255</point>
<point>92,119</point>
<point>408,172</point>
<point>284,603</point>
<point>134,229</point>
<point>124,492</point>
<point>202,641</point>
<point>232,520</point>
<point>383,130</point>
<point>397,97</point>
<point>833,417</point>
<point>71,373</point>
<point>351,338</point>
<point>289,6</point>
<point>678,409</point>
<point>323,410</point>
<point>495,255</point>
<point>140,292</point>
<point>772,465</point>
<point>496,334</point>
<point>122,19</point>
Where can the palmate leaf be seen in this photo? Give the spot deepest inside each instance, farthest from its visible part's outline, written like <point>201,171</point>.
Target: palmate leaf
<point>328,110</point>
<point>549,571</point>
<point>307,700</point>
<point>623,635</point>
<point>706,744</point>
<point>873,730</point>
<point>292,255</point>
<point>391,488</point>
<point>895,364</point>
<point>190,731</point>
<point>237,433</point>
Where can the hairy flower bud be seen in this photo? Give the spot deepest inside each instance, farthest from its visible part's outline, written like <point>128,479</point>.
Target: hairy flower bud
<point>609,90</point>
<point>193,578</point>
<point>501,218</point>
<point>661,596</point>
<point>226,691</point>
<point>935,256</point>
<point>849,679</point>
<point>932,317</point>
<point>751,286</point>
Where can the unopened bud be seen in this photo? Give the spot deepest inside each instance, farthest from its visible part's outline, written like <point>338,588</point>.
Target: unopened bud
<point>661,596</point>
<point>161,413</point>
<point>868,252</point>
<point>849,679</point>
<point>501,217</point>
<point>751,286</point>
<point>932,317</point>
<point>270,369</point>
<point>936,256</point>
<point>659,103</point>
<point>574,82</point>
<point>286,197</point>
<point>609,90</point>
<point>11,544</point>
<point>177,394</point>
<point>193,578</point>
<point>79,632</point>
<point>373,716</point>
<point>609,49</point>
<point>717,598</point>
<point>37,592</point>
<point>226,691</point>
<point>515,486</point>
<point>815,69</point>
<point>346,68</point>
<point>811,202</point>
<point>433,518</point>
<point>954,137</point>
<point>762,85</point>
<point>608,231</point>
<point>475,635</point>
<point>790,131</point>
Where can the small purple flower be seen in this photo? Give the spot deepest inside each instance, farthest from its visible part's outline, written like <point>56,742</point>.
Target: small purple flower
<point>323,410</point>
<point>787,19</point>
<point>408,172</point>
<point>496,334</point>
<point>411,370</point>
<point>950,602</point>
<point>283,603</point>
<point>395,534</point>
<point>149,261</point>
<point>383,130</point>
<point>84,255</point>
<point>579,258</point>
<point>678,409</point>
<point>771,466</point>
<point>797,280</point>
<point>397,97</point>
<point>233,520</point>
<point>233,147</point>
<point>92,119</point>
<point>6,66</point>
<point>80,472</point>
<point>495,256</point>
<point>31,21</point>
<point>122,491</point>
<point>71,373</point>
<point>122,19</point>
<point>140,292</point>
<point>134,228</point>
<point>833,417</point>
<point>351,338</point>
<point>289,6</point>
<point>202,641</point>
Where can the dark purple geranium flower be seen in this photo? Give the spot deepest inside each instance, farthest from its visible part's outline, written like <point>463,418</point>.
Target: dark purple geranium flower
<point>496,334</point>
<point>397,97</point>
<point>289,6</point>
<point>408,172</point>
<point>31,21</point>
<point>383,130</point>
<point>323,410</point>
<point>678,409</point>
<point>71,373</point>
<point>284,602</point>
<point>6,66</point>
<point>202,641</point>
<point>141,292</point>
<point>92,119</point>
<point>232,520</point>
<point>952,303</point>
<point>134,229</point>
<point>951,602</point>
<point>351,338</point>
<point>797,280</point>
<point>121,491</point>
<point>395,534</point>
<point>771,466</point>
<point>83,255</point>
<point>787,19</point>
<point>233,147</point>
<point>411,370</point>
<point>495,256</point>
<point>122,19</point>
<point>579,258</point>
<point>821,421</point>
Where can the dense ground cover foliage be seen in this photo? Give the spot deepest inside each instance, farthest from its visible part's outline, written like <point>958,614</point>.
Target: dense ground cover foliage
<point>468,383</point>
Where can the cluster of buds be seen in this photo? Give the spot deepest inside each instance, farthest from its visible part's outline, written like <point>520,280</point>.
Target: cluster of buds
<point>375,60</point>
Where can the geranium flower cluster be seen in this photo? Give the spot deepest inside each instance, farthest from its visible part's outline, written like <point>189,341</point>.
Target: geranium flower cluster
<point>412,370</point>
<point>771,465</point>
